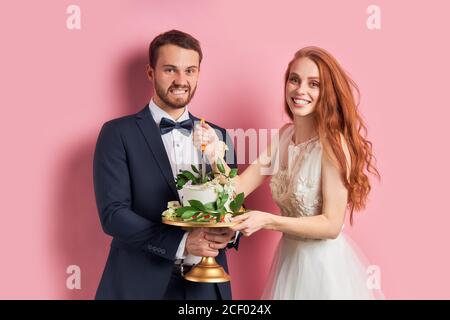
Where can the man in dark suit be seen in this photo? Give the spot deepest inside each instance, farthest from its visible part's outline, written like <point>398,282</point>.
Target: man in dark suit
<point>136,160</point>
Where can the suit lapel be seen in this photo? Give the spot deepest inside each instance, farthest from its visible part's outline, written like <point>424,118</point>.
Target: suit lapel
<point>152,135</point>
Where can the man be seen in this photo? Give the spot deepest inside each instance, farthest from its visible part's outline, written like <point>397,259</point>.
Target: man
<point>136,160</point>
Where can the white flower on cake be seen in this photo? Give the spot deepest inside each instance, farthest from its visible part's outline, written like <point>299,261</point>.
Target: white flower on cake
<point>171,207</point>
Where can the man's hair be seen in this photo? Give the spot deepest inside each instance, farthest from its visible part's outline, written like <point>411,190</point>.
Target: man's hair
<point>174,37</point>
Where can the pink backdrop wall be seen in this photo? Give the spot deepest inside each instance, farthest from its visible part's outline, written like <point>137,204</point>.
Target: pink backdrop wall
<point>58,86</point>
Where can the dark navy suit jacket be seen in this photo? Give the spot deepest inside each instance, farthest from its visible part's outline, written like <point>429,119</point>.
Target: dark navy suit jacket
<point>133,182</point>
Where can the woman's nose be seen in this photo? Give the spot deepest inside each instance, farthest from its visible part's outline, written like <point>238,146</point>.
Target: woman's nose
<point>302,89</point>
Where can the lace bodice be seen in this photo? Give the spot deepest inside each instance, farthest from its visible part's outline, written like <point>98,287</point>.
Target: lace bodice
<point>296,185</point>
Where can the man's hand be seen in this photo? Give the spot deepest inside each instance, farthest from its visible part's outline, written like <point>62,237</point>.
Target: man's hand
<point>197,245</point>
<point>219,237</point>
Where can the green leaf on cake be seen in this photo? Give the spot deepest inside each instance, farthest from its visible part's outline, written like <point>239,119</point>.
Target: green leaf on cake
<point>222,213</point>
<point>194,168</point>
<point>186,212</point>
<point>233,173</point>
<point>189,175</point>
<point>197,205</point>
<point>210,207</point>
<point>219,201</point>
<point>181,210</point>
<point>223,200</point>
<point>180,183</point>
<point>236,204</point>
<point>220,166</point>
<point>199,215</point>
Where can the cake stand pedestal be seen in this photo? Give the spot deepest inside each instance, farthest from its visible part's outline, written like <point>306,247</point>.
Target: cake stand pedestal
<point>207,270</point>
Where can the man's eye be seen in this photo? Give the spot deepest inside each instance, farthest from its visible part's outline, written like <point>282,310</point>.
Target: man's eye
<point>190,71</point>
<point>170,70</point>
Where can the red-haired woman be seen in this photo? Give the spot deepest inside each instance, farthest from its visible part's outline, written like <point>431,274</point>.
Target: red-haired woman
<point>321,163</point>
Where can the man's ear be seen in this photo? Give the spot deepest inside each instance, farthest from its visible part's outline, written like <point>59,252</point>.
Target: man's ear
<point>150,72</point>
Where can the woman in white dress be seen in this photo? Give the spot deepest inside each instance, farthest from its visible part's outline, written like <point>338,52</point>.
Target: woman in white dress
<point>321,161</point>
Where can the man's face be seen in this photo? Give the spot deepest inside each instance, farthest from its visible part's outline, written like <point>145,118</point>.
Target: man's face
<point>175,76</point>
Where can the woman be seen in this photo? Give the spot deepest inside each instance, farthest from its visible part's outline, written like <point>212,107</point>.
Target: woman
<point>323,157</point>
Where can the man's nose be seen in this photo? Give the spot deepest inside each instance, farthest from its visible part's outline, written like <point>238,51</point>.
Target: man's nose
<point>180,80</point>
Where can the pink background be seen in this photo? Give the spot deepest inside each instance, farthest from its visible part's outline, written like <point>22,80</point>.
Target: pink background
<point>59,86</point>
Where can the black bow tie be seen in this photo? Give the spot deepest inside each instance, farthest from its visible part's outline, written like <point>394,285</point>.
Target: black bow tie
<point>167,125</point>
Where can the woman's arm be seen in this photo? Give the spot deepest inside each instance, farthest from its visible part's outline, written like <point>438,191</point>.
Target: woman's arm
<point>327,225</point>
<point>253,176</point>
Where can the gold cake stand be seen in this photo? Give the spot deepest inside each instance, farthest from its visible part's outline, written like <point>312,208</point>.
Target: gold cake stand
<point>207,270</point>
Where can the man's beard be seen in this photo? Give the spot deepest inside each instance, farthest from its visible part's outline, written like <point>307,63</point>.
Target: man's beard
<point>163,95</point>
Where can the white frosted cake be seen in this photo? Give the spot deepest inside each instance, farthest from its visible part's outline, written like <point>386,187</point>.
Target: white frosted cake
<point>204,193</point>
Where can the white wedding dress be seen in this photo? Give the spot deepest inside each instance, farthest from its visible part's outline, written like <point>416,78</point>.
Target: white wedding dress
<point>309,268</point>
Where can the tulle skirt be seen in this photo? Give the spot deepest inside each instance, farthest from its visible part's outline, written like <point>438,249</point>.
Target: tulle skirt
<point>319,269</point>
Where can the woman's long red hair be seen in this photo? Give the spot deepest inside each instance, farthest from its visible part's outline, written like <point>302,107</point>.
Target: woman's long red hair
<point>337,114</point>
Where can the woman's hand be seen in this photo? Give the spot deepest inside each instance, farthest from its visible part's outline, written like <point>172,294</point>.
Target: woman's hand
<point>251,222</point>
<point>214,148</point>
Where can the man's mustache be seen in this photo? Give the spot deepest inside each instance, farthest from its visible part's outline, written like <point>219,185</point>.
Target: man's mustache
<point>174,87</point>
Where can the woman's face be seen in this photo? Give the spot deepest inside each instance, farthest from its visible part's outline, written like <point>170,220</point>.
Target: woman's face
<point>302,87</point>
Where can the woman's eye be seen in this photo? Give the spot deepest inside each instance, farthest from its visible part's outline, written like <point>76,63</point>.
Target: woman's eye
<point>293,80</point>
<point>314,84</point>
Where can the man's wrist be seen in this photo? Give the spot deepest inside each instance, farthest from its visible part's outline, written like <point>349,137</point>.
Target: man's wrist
<point>181,252</point>
<point>234,238</point>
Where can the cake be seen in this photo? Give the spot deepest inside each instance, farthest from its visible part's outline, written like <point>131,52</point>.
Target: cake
<point>206,193</point>
<point>205,199</point>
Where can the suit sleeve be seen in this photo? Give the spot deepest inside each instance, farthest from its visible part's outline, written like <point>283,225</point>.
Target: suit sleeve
<point>113,196</point>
